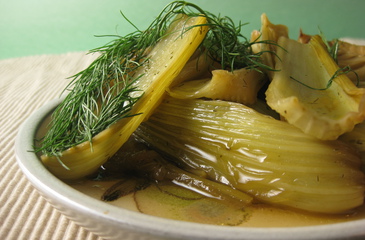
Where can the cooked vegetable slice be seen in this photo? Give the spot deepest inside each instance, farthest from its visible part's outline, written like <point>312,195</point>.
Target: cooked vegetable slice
<point>269,33</point>
<point>197,67</point>
<point>119,83</point>
<point>312,93</point>
<point>165,61</point>
<point>352,55</point>
<point>347,55</point>
<point>241,86</point>
<point>270,159</point>
<point>135,160</point>
<point>356,138</point>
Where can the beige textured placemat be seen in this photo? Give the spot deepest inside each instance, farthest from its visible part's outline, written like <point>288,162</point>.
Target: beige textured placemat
<point>25,85</point>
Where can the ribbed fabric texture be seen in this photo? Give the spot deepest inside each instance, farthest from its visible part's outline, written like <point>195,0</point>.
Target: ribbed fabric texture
<point>25,85</point>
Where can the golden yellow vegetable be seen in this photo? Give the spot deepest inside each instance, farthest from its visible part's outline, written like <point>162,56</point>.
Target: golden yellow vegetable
<point>346,54</point>
<point>197,67</point>
<point>241,86</point>
<point>352,55</point>
<point>269,33</point>
<point>356,138</point>
<point>121,88</point>
<point>269,159</point>
<point>166,60</point>
<point>312,93</point>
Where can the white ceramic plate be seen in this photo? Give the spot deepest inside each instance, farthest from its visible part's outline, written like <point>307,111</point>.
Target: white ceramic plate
<point>111,222</point>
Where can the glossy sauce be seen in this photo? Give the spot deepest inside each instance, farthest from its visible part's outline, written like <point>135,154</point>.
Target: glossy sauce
<point>170,201</point>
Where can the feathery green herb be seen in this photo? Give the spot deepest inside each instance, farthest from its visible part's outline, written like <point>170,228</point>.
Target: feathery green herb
<point>332,47</point>
<point>101,94</point>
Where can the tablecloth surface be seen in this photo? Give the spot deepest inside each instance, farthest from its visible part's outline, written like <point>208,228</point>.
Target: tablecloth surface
<point>26,84</point>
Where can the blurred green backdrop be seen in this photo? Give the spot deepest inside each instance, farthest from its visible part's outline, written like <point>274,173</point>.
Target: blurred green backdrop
<point>32,27</point>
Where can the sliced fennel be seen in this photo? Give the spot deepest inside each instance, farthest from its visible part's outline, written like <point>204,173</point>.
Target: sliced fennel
<point>269,32</point>
<point>354,56</point>
<point>165,61</point>
<point>269,159</point>
<point>240,85</point>
<point>135,161</point>
<point>129,78</point>
<point>356,138</point>
<point>310,91</point>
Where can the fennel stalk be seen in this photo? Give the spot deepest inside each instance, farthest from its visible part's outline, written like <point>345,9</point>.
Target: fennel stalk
<point>106,99</point>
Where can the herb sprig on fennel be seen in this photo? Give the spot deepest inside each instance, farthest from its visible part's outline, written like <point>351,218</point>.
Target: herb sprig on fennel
<point>104,93</point>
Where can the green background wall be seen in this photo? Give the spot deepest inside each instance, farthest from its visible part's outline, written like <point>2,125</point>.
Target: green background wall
<point>32,27</point>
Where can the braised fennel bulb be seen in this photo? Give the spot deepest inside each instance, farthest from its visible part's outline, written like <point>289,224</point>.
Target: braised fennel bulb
<point>312,93</point>
<point>192,55</point>
<point>241,85</point>
<point>120,89</point>
<point>164,62</point>
<point>269,33</point>
<point>269,159</point>
<point>354,56</point>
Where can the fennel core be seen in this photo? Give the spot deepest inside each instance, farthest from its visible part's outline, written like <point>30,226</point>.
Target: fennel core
<point>94,119</point>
